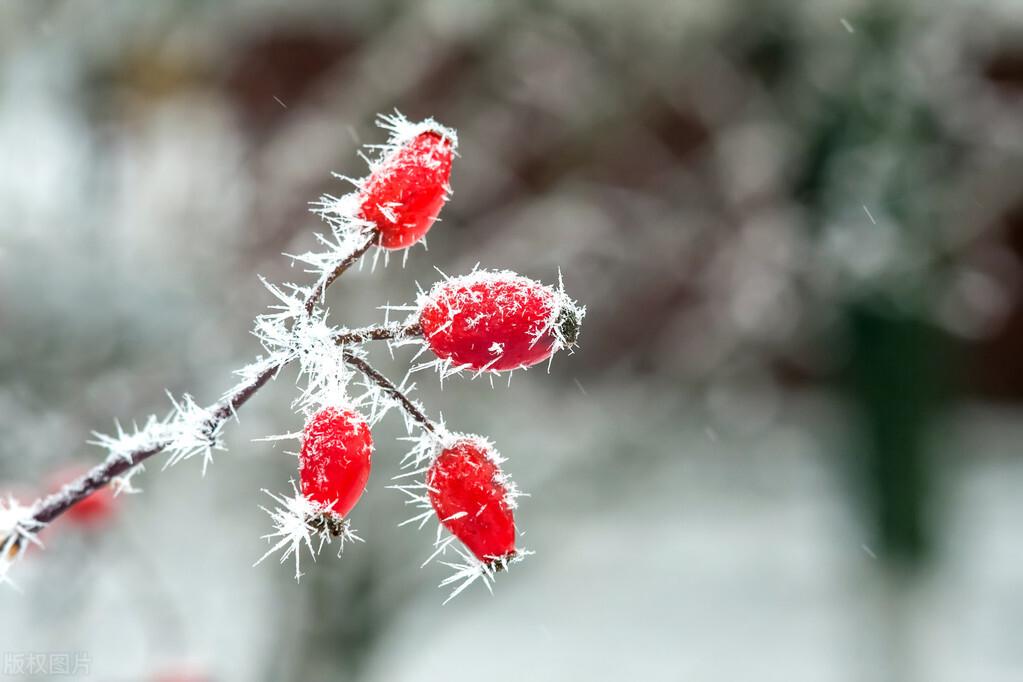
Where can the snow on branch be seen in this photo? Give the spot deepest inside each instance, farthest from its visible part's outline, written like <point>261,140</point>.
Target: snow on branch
<point>486,321</point>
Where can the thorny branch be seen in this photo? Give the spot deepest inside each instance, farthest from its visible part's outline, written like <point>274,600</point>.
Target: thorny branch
<point>116,464</point>
<point>321,286</point>
<point>379,333</point>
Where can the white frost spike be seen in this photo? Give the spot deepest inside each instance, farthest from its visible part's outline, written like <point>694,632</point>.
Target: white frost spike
<point>123,484</point>
<point>189,432</point>
<point>347,237</point>
<point>464,296</point>
<point>321,362</point>
<point>126,443</point>
<point>290,334</point>
<point>471,569</point>
<point>295,524</point>
<point>402,130</point>
<point>423,450</point>
<point>17,530</point>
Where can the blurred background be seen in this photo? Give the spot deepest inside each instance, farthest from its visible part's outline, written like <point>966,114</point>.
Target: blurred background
<point>786,449</point>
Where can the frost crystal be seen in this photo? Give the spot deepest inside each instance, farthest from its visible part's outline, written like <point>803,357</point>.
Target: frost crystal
<point>192,430</point>
<point>123,484</point>
<point>348,236</point>
<point>188,430</point>
<point>403,130</point>
<point>290,334</point>
<point>344,213</point>
<point>495,321</point>
<point>17,530</point>
<point>471,569</point>
<point>300,521</point>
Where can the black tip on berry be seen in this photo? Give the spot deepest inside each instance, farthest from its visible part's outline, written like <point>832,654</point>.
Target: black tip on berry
<point>500,563</point>
<point>568,323</point>
<point>328,521</point>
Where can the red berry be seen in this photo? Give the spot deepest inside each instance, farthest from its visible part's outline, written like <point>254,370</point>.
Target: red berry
<point>471,499</point>
<point>497,321</point>
<point>181,673</point>
<point>406,191</point>
<point>94,509</point>
<point>335,461</point>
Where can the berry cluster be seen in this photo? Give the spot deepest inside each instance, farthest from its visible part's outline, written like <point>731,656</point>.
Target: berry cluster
<point>485,322</point>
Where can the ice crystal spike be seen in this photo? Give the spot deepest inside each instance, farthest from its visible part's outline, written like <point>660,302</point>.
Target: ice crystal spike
<point>17,531</point>
<point>299,521</point>
<point>189,430</point>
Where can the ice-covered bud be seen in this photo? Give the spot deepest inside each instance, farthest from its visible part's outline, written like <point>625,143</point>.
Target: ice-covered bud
<point>335,460</point>
<point>494,321</point>
<point>408,186</point>
<point>473,499</point>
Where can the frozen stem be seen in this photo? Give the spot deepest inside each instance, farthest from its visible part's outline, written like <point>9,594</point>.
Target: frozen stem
<point>317,293</point>
<point>118,463</point>
<point>392,390</point>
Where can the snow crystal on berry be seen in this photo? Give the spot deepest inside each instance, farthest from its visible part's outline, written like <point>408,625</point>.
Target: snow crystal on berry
<point>334,466</point>
<point>469,494</point>
<point>407,186</point>
<point>335,460</point>
<point>463,488</point>
<point>497,321</point>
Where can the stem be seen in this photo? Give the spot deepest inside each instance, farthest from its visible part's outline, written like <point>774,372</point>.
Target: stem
<point>50,507</point>
<point>378,333</point>
<point>321,286</point>
<point>389,387</point>
<point>54,505</point>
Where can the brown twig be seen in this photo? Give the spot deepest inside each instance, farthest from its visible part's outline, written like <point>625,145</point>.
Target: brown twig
<point>379,333</point>
<point>391,389</point>
<point>314,296</point>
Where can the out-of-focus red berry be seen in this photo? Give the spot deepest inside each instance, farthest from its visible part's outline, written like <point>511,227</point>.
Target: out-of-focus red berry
<point>181,673</point>
<point>92,511</point>
<point>336,458</point>
<point>497,321</point>
<point>405,192</point>
<point>471,501</point>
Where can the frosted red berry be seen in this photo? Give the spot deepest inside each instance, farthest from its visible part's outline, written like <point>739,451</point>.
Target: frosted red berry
<point>336,458</point>
<point>471,500</point>
<point>406,191</point>
<point>497,321</point>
